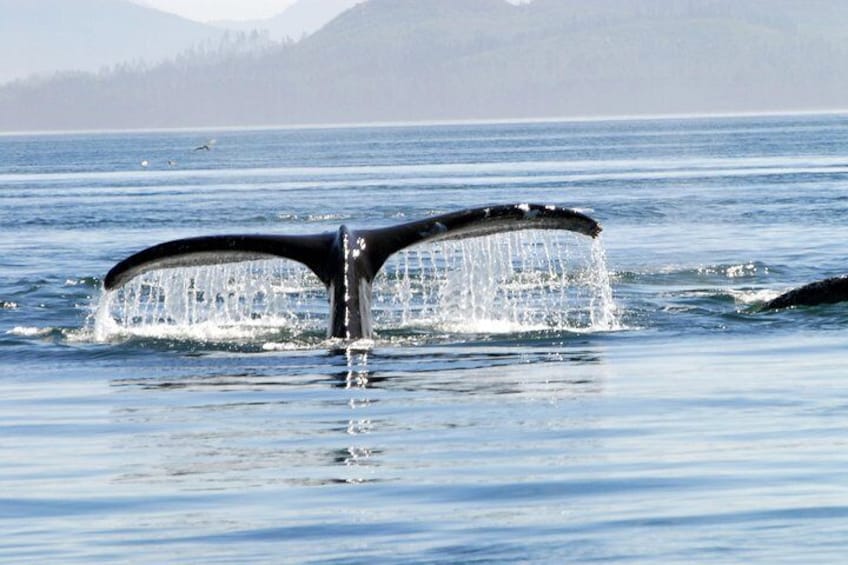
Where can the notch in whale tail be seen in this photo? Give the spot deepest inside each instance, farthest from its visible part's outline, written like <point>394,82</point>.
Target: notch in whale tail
<point>827,291</point>
<point>347,261</point>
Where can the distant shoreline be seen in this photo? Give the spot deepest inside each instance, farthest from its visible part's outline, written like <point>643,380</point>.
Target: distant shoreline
<point>437,123</point>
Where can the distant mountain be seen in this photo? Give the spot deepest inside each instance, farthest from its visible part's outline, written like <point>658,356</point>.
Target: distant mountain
<point>43,36</point>
<point>400,60</point>
<point>302,18</point>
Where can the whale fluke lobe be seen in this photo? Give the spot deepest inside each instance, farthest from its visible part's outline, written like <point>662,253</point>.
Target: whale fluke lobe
<point>347,261</point>
<point>827,291</point>
<point>475,222</point>
<point>310,250</point>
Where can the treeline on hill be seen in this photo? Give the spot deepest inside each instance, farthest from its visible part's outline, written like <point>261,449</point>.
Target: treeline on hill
<point>388,60</point>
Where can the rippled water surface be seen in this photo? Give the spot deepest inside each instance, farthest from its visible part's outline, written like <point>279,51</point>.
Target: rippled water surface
<point>531,397</point>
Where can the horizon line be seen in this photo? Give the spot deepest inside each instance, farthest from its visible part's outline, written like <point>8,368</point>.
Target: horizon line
<point>439,122</point>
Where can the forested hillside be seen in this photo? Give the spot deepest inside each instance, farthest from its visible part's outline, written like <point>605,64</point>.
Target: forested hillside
<point>465,59</point>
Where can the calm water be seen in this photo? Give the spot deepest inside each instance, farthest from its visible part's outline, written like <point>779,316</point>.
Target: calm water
<point>692,429</point>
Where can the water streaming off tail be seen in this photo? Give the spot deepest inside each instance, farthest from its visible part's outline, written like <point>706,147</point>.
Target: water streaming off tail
<point>233,301</point>
<point>512,282</point>
<point>521,281</point>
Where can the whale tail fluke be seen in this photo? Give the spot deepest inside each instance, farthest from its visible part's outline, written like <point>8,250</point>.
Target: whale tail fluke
<point>314,250</point>
<point>347,261</point>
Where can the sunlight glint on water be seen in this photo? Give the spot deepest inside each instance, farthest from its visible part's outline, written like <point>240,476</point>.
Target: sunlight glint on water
<point>505,283</point>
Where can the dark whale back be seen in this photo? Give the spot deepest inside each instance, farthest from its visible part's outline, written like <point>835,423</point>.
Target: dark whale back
<point>827,291</point>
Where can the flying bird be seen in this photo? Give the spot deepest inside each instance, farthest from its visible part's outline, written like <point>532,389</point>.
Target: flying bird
<point>206,146</point>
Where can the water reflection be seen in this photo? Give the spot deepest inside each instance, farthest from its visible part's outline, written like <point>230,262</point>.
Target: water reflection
<point>357,369</point>
<point>358,377</point>
<point>325,419</point>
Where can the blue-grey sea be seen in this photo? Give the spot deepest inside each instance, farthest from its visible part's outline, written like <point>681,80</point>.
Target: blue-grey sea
<point>537,397</point>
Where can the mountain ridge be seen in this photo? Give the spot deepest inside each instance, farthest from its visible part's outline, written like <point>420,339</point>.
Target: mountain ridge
<point>57,35</point>
<point>297,21</point>
<point>413,60</point>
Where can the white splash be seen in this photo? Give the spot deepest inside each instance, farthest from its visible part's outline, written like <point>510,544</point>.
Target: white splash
<point>753,296</point>
<point>603,312</point>
<point>346,282</point>
<point>29,331</point>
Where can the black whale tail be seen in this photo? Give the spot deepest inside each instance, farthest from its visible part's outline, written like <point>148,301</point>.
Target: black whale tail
<point>347,261</point>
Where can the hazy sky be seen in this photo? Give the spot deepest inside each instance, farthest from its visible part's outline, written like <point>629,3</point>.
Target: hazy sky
<point>209,10</point>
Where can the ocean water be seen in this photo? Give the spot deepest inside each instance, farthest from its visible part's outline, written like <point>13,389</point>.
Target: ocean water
<point>535,397</point>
